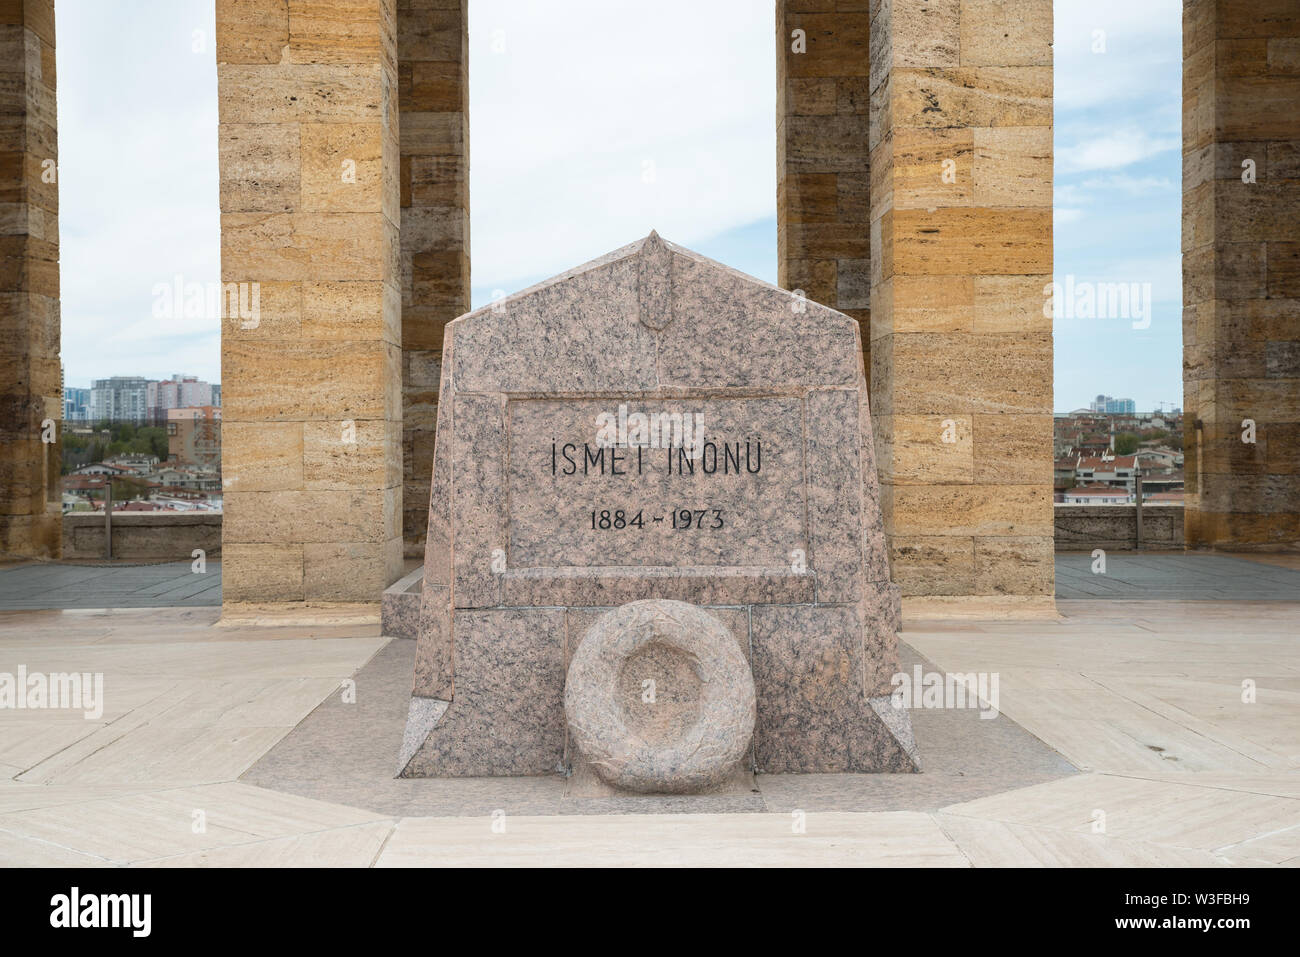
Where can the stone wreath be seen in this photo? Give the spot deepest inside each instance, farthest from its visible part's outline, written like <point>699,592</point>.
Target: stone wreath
<point>702,755</point>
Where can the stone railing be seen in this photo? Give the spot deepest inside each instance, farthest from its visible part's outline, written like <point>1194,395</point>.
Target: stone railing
<point>1081,528</point>
<point>148,536</point>
<point>156,536</point>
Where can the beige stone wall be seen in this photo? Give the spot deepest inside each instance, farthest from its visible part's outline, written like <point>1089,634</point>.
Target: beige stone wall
<point>1241,271</point>
<point>312,416</point>
<point>1081,528</point>
<point>823,200</point>
<point>30,388</point>
<point>433,95</point>
<point>145,536</point>
<point>961,352</point>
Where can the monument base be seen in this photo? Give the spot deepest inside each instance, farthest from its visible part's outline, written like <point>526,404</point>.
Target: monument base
<point>821,693</point>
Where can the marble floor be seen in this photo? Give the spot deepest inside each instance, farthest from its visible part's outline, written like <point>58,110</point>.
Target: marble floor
<point>1177,576</point>
<point>965,756</point>
<point>1157,733</point>
<point>123,584</point>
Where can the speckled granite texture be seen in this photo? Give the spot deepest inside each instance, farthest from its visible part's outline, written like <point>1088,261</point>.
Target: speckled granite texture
<point>400,608</point>
<point>660,699</point>
<point>752,494</point>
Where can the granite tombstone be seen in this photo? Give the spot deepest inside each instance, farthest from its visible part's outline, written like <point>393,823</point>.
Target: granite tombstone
<point>655,547</point>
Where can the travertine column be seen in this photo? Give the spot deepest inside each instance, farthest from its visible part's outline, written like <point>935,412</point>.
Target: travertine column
<point>433,94</point>
<point>1241,272</point>
<point>961,351</point>
<point>823,200</point>
<point>31,395</point>
<point>312,415</point>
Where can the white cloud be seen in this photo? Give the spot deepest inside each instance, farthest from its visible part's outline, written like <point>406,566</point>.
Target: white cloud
<point>1142,44</point>
<point>1132,185</point>
<point>138,191</point>
<point>589,97</point>
<point>1112,150</point>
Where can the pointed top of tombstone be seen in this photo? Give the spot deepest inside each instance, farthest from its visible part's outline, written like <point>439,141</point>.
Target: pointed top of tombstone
<point>654,282</point>
<point>621,316</point>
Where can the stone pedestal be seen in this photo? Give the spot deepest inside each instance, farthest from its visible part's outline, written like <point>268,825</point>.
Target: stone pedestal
<point>544,527</point>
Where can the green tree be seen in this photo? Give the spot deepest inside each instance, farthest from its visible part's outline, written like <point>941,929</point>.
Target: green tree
<point>127,489</point>
<point>152,440</point>
<point>1126,443</point>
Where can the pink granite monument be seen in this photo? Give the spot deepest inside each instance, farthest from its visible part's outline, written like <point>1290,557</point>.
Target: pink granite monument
<point>655,548</point>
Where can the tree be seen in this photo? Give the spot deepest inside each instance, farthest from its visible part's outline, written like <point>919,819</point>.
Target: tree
<point>127,489</point>
<point>1126,443</point>
<point>152,440</point>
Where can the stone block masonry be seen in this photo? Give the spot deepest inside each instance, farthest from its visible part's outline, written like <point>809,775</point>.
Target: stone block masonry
<point>1241,272</point>
<point>433,96</point>
<point>31,391</point>
<point>310,213</point>
<point>823,204</point>
<point>961,352</point>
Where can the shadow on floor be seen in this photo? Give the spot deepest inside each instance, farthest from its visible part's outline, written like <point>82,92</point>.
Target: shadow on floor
<point>1198,576</point>
<point>347,754</point>
<point>40,585</point>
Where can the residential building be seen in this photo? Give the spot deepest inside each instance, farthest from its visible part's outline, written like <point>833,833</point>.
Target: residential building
<point>76,404</point>
<point>178,392</point>
<point>194,436</point>
<point>101,468</point>
<point>1112,406</point>
<point>119,399</point>
<point>135,462</point>
<point>1096,495</point>
<point>1115,471</point>
<point>1159,458</point>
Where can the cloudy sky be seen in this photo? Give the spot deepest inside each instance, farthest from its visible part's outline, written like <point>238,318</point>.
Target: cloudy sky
<point>588,130</point>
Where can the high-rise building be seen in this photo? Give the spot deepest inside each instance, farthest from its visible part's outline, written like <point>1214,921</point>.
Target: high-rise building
<point>1110,405</point>
<point>178,392</point>
<point>119,399</point>
<point>76,404</point>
